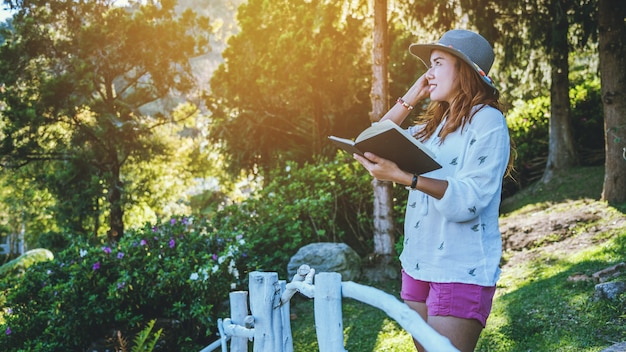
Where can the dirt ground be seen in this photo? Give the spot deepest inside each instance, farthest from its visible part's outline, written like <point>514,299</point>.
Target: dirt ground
<point>562,227</point>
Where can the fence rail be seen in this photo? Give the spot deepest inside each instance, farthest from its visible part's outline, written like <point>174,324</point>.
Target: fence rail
<point>268,325</point>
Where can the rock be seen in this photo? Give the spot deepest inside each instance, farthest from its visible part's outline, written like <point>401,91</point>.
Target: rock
<point>610,272</point>
<point>618,347</point>
<point>327,257</point>
<point>609,290</point>
<point>18,265</point>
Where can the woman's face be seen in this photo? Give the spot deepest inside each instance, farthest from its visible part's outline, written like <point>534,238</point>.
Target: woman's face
<point>442,76</point>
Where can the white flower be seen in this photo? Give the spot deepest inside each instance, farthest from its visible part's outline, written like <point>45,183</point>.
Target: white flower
<point>82,252</point>
<point>205,273</point>
<point>193,276</point>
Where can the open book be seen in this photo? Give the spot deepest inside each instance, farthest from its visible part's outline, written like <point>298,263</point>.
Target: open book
<point>390,141</point>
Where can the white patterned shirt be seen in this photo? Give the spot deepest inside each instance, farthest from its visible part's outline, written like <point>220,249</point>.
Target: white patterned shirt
<point>457,238</point>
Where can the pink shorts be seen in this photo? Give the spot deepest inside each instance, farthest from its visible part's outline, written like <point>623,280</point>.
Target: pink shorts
<point>450,299</point>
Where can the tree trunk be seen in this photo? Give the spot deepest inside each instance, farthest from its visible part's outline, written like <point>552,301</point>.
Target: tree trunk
<point>383,199</point>
<point>612,51</point>
<point>561,148</point>
<point>116,216</point>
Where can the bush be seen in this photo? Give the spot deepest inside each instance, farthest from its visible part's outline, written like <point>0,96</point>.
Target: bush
<point>178,271</point>
<point>529,124</point>
<point>325,201</point>
<point>529,128</point>
<point>588,116</point>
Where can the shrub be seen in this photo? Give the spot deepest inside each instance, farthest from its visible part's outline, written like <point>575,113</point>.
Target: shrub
<point>178,271</point>
<point>325,201</point>
<point>529,128</point>
<point>588,115</point>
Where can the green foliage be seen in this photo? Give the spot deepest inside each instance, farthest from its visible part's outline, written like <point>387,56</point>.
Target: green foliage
<point>324,201</point>
<point>179,270</point>
<point>587,115</point>
<point>142,340</point>
<point>19,190</point>
<point>295,73</point>
<point>20,264</point>
<point>529,127</point>
<point>91,84</point>
<point>53,241</point>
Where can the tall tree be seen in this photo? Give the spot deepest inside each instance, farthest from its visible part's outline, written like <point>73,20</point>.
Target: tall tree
<point>612,51</point>
<point>89,81</point>
<point>384,238</point>
<point>561,149</point>
<point>294,74</point>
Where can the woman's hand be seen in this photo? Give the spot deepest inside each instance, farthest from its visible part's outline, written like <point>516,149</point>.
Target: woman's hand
<point>383,169</point>
<point>420,90</point>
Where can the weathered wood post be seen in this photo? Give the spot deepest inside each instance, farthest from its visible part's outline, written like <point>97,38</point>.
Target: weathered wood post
<point>285,313</point>
<point>328,316</point>
<point>238,313</point>
<point>264,298</point>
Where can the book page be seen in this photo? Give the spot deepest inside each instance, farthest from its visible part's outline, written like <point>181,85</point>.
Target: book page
<point>387,125</point>
<point>377,128</point>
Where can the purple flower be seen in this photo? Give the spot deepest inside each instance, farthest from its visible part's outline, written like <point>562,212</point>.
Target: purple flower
<point>120,255</point>
<point>155,229</point>
<point>143,242</point>
<point>172,243</point>
<point>121,285</point>
<point>173,221</point>
<point>185,221</point>
<point>8,332</point>
<point>96,266</point>
<point>106,249</point>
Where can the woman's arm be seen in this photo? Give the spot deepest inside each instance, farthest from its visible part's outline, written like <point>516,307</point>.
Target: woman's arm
<point>385,170</point>
<point>417,92</point>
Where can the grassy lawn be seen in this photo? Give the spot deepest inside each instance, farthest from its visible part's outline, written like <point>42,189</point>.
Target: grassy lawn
<point>536,307</point>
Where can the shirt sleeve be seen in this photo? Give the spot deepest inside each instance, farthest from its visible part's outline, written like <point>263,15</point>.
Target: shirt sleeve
<point>477,181</point>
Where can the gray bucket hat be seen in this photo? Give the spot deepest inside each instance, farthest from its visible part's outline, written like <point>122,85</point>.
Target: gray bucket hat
<point>469,46</point>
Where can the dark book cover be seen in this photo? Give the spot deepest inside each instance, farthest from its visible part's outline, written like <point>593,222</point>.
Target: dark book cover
<point>391,143</point>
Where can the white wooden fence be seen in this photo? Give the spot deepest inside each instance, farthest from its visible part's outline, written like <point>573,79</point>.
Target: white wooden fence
<point>268,326</point>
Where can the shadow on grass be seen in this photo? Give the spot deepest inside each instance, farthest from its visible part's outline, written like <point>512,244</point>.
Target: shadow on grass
<point>550,313</point>
<point>362,324</point>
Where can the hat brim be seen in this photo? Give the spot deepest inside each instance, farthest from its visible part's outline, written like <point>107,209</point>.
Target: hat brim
<point>422,51</point>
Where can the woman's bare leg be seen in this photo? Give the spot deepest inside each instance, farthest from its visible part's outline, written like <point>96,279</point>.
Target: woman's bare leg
<point>462,333</point>
<point>419,307</point>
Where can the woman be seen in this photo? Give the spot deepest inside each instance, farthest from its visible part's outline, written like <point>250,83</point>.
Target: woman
<point>452,245</point>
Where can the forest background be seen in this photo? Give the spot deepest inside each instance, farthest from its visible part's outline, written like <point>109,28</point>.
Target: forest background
<point>147,127</point>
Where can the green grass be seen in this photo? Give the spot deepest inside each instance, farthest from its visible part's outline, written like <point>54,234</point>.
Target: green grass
<point>535,309</point>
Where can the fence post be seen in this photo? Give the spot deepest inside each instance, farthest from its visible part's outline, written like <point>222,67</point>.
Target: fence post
<point>285,313</point>
<point>264,298</point>
<point>238,313</point>
<point>328,316</point>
